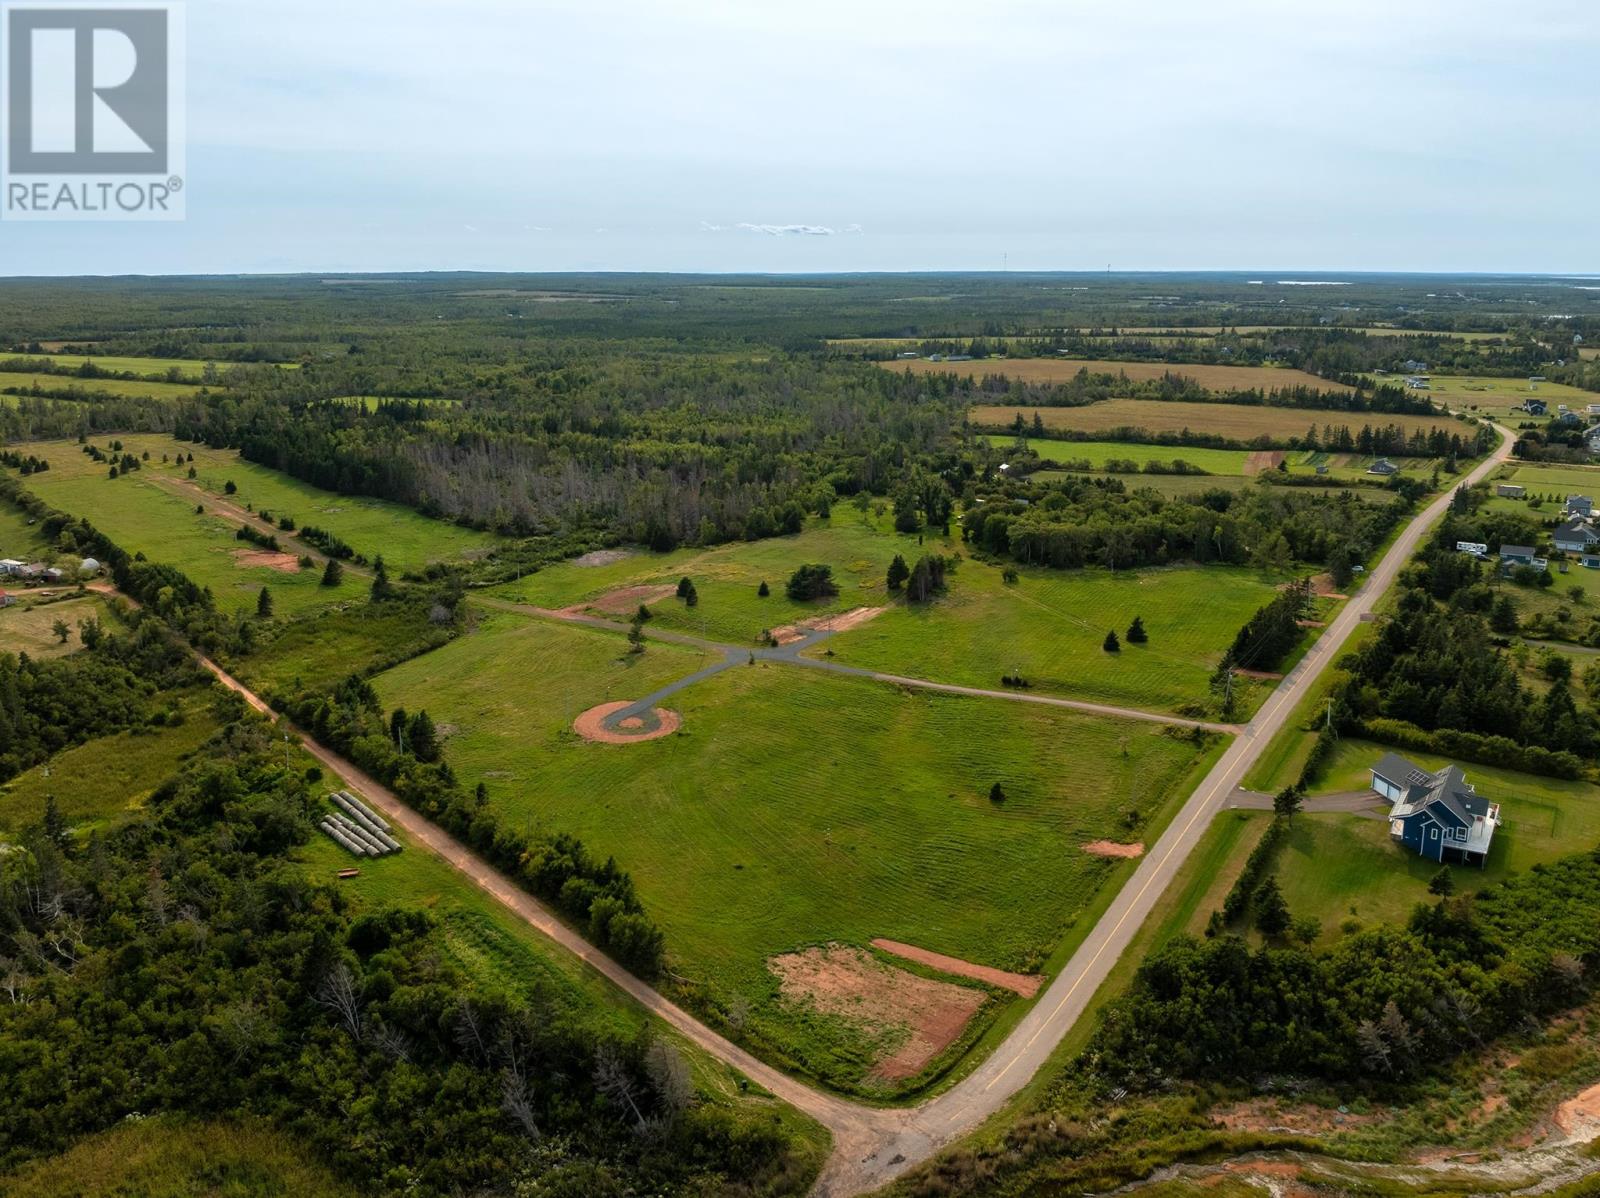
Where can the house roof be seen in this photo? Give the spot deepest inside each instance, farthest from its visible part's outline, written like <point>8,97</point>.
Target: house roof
<point>1517,550</point>
<point>1575,528</point>
<point>1445,793</point>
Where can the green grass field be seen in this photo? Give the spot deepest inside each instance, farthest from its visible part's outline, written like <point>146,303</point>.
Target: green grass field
<point>138,388</point>
<point>172,1157</point>
<point>1483,391</point>
<point>1098,453</point>
<point>100,781</point>
<point>1239,422</point>
<point>858,545</point>
<point>27,626</point>
<point>1049,626</point>
<point>140,516</point>
<point>407,539</point>
<point>795,808</point>
<point>153,510</point>
<point>347,638</point>
<point>190,369</point>
<point>18,538</point>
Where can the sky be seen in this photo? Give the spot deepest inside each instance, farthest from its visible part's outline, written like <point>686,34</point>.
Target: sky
<point>872,135</point>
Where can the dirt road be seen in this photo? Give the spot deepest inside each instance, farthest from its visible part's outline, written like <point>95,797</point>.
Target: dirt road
<point>872,1146</point>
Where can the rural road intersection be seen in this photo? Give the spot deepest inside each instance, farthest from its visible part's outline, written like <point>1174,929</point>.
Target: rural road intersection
<point>872,1145</point>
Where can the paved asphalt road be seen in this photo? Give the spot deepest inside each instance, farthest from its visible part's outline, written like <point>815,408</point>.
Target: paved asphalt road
<point>871,1145</point>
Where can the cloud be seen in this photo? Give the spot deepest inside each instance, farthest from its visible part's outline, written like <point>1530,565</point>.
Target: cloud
<point>786,230</point>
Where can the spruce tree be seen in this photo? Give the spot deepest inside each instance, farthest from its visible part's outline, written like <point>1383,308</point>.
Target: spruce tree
<point>264,604</point>
<point>1136,632</point>
<point>1111,644</point>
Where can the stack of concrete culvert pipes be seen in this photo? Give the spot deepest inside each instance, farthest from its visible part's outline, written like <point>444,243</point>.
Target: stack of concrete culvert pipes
<point>358,828</point>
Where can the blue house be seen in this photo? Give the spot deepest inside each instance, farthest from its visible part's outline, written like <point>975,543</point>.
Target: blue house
<point>1436,815</point>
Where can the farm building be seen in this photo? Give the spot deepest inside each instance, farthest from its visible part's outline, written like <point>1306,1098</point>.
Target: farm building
<point>7,598</point>
<point>1510,490</point>
<point>10,565</point>
<point>1383,466</point>
<point>1436,814</point>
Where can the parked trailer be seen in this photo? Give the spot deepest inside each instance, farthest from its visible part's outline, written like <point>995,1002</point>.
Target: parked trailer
<point>363,808</point>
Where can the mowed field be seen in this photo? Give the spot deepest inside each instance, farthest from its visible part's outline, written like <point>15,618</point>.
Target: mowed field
<point>1098,453</point>
<point>1241,422</point>
<point>190,369</point>
<point>1484,391</point>
<point>141,516</point>
<point>795,808</point>
<point>137,388</point>
<point>1050,626</point>
<point>145,508</point>
<point>1059,370</point>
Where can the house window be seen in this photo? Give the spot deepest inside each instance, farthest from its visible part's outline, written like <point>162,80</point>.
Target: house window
<point>1433,833</point>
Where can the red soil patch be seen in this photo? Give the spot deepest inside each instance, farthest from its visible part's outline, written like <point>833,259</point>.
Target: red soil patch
<point>1265,1114</point>
<point>590,725</point>
<point>1579,1117</point>
<point>927,1015</point>
<point>1267,674</point>
<point>1322,584</point>
<point>843,622</point>
<point>622,602</point>
<point>1110,848</point>
<point>1312,623</point>
<point>1262,459</point>
<point>288,563</point>
<point>1025,984</point>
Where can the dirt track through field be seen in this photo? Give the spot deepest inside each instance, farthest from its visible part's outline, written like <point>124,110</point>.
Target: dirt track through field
<point>1025,984</point>
<point>872,1146</point>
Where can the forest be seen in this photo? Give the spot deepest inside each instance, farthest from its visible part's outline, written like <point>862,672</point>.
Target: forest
<point>182,962</point>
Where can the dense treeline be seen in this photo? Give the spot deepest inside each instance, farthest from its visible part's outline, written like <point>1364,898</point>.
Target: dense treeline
<point>116,682</point>
<point>185,962</point>
<point>659,450</point>
<point>1440,665</point>
<point>1098,521</point>
<point>1389,1003</point>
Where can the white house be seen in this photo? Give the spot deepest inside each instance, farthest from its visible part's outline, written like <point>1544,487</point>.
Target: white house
<point>10,565</point>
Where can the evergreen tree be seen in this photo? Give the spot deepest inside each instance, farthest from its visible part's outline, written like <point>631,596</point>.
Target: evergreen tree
<point>1272,913</point>
<point>1442,883</point>
<point>382,588</point>
<point>898,573</point>
<point>1136,632</point>
<point>997,793</point>
<point>763,590</point>
<point>264,604</point>
<point>424,738</point>
<point>332,573</point>
<point>684,587</point>
<point>1111,644</point>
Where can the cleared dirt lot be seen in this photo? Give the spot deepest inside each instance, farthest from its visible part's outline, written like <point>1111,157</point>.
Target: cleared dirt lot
<point>1235,421</point>
<point>1059,370</point>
